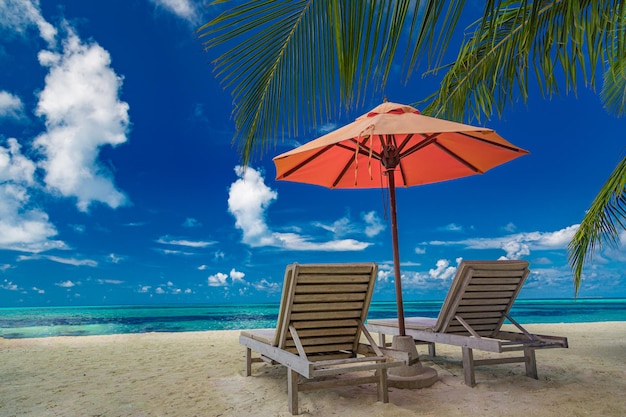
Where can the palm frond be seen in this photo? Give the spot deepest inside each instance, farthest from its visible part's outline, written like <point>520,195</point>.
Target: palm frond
<point>288,62</point>
<point>601,224</point>
<point>613,92</point>
<point>520,38</point>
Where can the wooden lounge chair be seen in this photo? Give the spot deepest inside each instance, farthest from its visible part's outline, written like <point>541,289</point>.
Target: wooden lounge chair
<point>472,315</point>
<point>319,326</point>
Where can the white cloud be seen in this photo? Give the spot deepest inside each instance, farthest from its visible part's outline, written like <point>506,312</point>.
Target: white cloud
<point>519,244</point>
<point>82,114</point>
<point>10,106</point>
<point>65,284</point>
<point>452,227</point>
<point>373,224</point>
<point>217,280</point>
<point>248,200</point>
<point>443,271</point>
<point>59,259</point>
<point>72,261</point>
<point>21,228</point>
<point>10,286</point>
<point>166,240</point>
<point>266,286</point>
<point>114,258</point>
<point>223,280</point>
<point>19,15</point>
<point>110,281</point>
<point>296,242</point>
<point>202,267</point>
<point>184,9</point>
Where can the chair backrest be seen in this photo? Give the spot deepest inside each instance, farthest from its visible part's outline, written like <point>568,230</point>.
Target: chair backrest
<point>481,293</point>
<point>325,303</point>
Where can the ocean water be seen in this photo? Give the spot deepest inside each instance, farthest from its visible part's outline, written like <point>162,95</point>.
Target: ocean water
<point>84,321</point>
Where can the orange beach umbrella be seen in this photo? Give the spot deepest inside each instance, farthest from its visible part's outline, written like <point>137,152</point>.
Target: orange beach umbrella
<point>394,145</point>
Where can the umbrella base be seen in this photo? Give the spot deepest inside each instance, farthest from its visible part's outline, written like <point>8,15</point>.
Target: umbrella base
<point>411,376</point>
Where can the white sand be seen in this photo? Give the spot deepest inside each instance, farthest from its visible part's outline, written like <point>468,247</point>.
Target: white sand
<point>201,374</point>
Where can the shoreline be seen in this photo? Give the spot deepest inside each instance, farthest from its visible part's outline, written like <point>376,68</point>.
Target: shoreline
<point>201,373</point>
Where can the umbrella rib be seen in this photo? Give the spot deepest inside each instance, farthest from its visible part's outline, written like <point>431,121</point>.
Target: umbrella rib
<point>427,141</point>
<point>487,141</point>
<point>360,148</point>
<point>458,158</point>
<point>306,161</point>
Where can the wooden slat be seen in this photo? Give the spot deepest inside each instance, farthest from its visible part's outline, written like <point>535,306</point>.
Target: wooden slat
<point>499,273</point>
<point>458,326</point>
<point>479,314</point>
<point>315,324</point>
<point>336,269</point>
<point>496,307</point>
<point>332,279</point>
<point>314,298</point>
<point>310,341</point>
<point>332,356</point>
<point>487,320</point>
<point>330,289</point>
<point>506,287</point>
<point>503,280</point>
<point>325,315</point>
<point>328,332</point>
<point>489,294</point>
<point>482,301</point>
<point>329,348</point>
<point>298,308</point>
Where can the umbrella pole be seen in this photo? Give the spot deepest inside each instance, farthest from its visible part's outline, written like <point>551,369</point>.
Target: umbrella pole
<point>396,252</point>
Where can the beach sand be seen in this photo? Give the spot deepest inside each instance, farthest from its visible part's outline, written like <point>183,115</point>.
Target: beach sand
<point>202,374</point>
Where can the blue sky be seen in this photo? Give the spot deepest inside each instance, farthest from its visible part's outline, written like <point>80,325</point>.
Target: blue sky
<point>119,183</point>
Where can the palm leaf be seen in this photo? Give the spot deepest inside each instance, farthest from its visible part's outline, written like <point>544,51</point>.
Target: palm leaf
<point>520,38</point>
<point>600,225</point>
<point>291,63</point>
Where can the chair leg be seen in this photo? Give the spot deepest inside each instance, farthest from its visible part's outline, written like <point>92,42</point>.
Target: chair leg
<point>248,361</point>
<point>292,390</point>
<point>431,350</point>
<point>531,363</point>
<point>468,366</point>
<point>383,389</point>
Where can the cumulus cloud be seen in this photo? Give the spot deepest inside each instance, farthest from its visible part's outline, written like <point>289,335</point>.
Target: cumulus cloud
<point>22,227</point>
<point>443,271</point>
<point>248,200</point>
<point>222,280</point>
<point>519,244</point>
<point>20,15</point>
<point>82,113</point>
<point>65,284</point>
<point>11,106</point>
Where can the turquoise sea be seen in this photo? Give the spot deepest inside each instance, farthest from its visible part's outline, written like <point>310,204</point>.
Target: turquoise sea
<point>84,321</point>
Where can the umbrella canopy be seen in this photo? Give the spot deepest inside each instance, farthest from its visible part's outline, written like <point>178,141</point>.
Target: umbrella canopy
<point>394,145</point>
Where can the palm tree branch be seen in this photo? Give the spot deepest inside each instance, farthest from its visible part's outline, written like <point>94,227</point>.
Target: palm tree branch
<point>601,223</point>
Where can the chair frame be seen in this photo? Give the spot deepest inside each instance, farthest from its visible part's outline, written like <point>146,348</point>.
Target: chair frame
<point>477,304</point>
<point>318,332</point>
